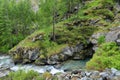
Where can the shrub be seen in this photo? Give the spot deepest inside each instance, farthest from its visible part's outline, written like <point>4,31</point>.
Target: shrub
<point>101,39</point>
<point>107,56</point>
<point>22,75</point>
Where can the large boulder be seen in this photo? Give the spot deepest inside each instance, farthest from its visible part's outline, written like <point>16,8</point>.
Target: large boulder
<point>113,35</point>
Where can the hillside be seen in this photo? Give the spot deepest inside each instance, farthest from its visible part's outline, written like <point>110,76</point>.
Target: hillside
<point>72,36</point>
<point>41,32</point>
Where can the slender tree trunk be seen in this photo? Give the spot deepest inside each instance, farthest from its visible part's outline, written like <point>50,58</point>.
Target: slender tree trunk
<point>54,10</point>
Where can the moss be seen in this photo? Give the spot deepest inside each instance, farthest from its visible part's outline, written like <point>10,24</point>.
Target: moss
<point>107,56</point>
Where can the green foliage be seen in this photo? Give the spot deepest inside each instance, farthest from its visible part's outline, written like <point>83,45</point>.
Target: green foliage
<point>101,39</point>
<point>22,75</point>
<point>73,34</point>
<point>107,56</point>
<point>15,21</point>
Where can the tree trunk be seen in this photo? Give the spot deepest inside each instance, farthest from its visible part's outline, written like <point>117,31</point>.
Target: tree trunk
<point>54,10</point>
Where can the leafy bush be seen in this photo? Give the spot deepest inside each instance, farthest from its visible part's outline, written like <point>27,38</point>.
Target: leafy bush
<point>107,56</point>
<point>22,75</point>
<point>101,39</point>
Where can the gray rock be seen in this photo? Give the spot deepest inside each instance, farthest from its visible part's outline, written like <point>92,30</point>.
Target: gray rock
<point>105,76</point>
<point>118,41</point>
<point>113,34</point>
<point>4,73</point>
<point>88,74</point>
<point>94,39</point>
<point>33,55</point>
<point>113,70</point>
<point>67,51</point>
<point>95,74</point>
<point>83,74</point>
<point>85,78</point>
<point>117,74</point>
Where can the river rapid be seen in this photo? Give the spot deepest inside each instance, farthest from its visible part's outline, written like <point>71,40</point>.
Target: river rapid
<point>7,65</point>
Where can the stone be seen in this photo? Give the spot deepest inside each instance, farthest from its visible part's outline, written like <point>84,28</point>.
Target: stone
<point>113,70</point>
<point>67,51</point>
<point>113,34</point>
<point>94,39</point>
<point>88,74</point>
<point>118,42</point>
<point>117,74</point>
<point>104,75</point>
<point>95,74</point>
<point>4,73</point>
<point>33,55</point>
<point>83,74</point>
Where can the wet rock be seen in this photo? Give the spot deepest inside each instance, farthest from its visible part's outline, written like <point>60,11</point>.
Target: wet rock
<point>113,70</point>
<point>4,73</point>
<point>118,42</point>
<point>117,74</point>
<point>104,75</point>
<point>83,74</point>
<point>88,74</point>
<point>95,74</point>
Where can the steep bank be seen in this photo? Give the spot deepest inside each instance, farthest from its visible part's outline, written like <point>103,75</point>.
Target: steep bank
<point>72,35</point>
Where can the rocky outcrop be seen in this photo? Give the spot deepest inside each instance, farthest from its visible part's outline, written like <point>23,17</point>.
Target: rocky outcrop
<point>25,55</point>
<point>34,55</point>
<point>78,52</point>
<point>113,35</point>
<point>108,74</point>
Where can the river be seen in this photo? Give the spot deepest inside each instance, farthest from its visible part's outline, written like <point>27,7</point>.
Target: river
<point>6,63</point>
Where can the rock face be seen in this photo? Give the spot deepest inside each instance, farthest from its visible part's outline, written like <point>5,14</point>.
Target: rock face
<point>77,52</point>
<point>112,36</point>
<point>28,55</point>
<point>25,55</point>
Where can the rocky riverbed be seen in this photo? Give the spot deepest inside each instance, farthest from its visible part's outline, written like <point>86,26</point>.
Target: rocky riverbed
<point>107,74</point>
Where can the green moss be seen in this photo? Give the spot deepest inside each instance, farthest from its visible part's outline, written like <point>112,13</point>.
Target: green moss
<point>107,56</point>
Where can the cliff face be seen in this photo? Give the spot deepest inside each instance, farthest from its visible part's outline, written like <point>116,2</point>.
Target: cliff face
<point>73,36</point>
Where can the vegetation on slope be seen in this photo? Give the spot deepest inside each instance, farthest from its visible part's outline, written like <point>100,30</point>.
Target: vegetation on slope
<point>72,25</point>
<point>94,16</point>
<point>107,56</point>
<point>16,20</point>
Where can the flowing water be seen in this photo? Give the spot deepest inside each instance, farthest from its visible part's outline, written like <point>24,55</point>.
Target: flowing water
<point>6,62</point>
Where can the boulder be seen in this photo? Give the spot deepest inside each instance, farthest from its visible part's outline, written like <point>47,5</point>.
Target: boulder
<point>94,39</point>
<point>67,51</point>
<point>113,34</point>
<point>33,54</point>
<point>4,73</point>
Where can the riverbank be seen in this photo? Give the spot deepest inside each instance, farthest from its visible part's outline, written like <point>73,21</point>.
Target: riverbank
<point>67,71</point>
